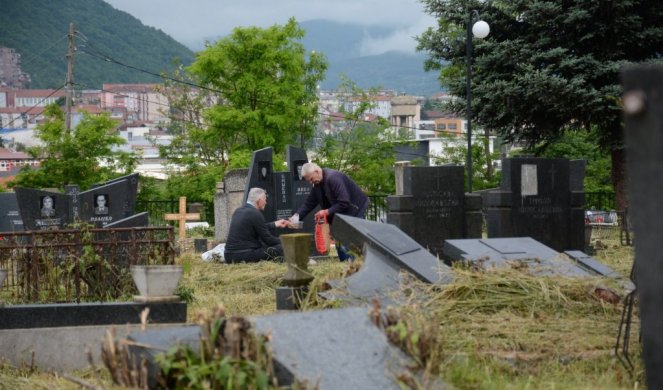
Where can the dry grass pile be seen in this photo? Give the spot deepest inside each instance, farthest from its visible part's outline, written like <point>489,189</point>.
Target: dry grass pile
<point>504,328</point>
<point>243,289</point>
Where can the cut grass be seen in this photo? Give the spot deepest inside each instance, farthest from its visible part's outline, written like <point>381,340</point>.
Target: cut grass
<point>498,329</point>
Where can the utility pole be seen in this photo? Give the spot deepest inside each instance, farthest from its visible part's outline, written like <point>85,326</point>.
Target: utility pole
<point>70,78</point>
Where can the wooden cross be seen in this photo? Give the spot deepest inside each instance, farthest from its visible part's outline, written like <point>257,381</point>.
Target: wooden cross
<point>182,217</point>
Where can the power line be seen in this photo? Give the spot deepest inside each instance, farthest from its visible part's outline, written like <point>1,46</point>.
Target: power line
<point>100,55</point>
<point>32,57</point>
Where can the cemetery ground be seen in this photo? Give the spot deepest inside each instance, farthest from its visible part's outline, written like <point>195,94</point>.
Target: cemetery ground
<point>489,329</point>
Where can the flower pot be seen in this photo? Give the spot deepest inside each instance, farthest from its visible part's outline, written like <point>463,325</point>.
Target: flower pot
<point>156,280</point>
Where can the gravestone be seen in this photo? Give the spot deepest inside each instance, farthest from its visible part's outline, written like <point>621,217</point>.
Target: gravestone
<point>387,251</point>
<point>643,99</point>
<point>228,198</point>
<point>102,205</point>
<point>525,251</point>
<point>542,198</point>
<point>131,189</point>
<point>105,204</point>
<point>286,191</point>
<point>333,349</point>
<point>43,210</point>
<point>433,206</point>
<point>10,219</point>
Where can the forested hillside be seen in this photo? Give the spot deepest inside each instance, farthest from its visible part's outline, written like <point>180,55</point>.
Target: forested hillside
<point>37,29</point>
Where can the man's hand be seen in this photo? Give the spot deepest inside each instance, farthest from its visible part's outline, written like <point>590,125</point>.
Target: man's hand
<point>321,214</point>
<point>281,223</point>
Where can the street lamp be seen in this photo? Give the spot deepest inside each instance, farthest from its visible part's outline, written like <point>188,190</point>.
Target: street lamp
<point>480,29</point>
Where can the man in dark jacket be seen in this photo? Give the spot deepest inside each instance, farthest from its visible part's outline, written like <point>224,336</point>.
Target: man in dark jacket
<point>249,238</point>
<point>335,193</point>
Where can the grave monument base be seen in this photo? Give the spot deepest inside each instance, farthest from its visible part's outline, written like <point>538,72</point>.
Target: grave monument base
<point>290,298</point>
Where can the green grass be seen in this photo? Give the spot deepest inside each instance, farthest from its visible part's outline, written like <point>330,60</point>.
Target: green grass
<point>498,329</point>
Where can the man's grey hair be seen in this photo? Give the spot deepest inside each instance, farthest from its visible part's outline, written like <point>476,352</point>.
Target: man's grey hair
<point>308,168</point>
<point>255,193</point>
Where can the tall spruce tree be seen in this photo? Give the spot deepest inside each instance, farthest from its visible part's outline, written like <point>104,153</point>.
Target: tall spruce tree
<point>548,66</point>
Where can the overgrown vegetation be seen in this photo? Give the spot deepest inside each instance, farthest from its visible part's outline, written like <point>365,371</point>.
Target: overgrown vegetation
<point>497,329</point>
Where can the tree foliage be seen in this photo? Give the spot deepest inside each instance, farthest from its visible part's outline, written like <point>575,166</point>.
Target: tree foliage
<point>548,66</point>
<point>82,156</point>
<point>266,84</point>
<point>582,146</point>
<point>456,153</point>
<point>258,90</point>
<point>364,150</point>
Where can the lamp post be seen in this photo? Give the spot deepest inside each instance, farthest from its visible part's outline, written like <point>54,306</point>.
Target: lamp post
<point>480,29</point>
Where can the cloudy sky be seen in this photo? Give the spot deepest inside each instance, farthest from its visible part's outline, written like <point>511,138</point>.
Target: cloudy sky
<point>192,22</point>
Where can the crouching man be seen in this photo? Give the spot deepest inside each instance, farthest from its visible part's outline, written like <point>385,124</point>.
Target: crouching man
<point>250,238</point>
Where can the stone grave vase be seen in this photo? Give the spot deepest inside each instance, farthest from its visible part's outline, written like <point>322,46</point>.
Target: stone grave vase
<point>156,282</point>
<point>296,248</point>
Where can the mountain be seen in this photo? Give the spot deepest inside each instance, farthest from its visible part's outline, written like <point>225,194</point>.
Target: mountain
<point>37,29</point>
<point>394,70</point>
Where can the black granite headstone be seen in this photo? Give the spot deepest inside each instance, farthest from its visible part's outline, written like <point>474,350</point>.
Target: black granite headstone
<point>387,251</point>
<point>286,191</point>
<point>10,219</point>
<point>540,198</point>
<point>43,210</point>
<point>105,204</point>
<point>86,314</point>
<point>436,198</point>
<point>131,188</point>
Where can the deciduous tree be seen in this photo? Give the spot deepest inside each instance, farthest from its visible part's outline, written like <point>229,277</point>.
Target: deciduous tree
<point>82,156</point>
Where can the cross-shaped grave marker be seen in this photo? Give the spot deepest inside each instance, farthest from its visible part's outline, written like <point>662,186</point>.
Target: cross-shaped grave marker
<point>182,217</point>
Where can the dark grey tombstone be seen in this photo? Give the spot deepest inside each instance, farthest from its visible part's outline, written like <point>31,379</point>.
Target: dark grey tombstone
<point>131,185</point>
<point>10,219</point>
<point>105,204</point>
<point>313,346</point>
<point>43,210</point>
<point>540,259</point>
<point>286,193</point>
<point>261,175</point>
<point>433,206</point>
<point>643,102</point>
<point>87,314</point>
<point>136,220</point>
<point>335,349</point>
<point>387,251</point>
<point>74,205</point>
<point>300,188</point>
<point>540,198</point>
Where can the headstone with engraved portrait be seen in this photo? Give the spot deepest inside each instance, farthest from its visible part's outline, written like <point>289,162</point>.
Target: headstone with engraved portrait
<point>131,188</point>
<point>105,204</point>
<point>43,210</point>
